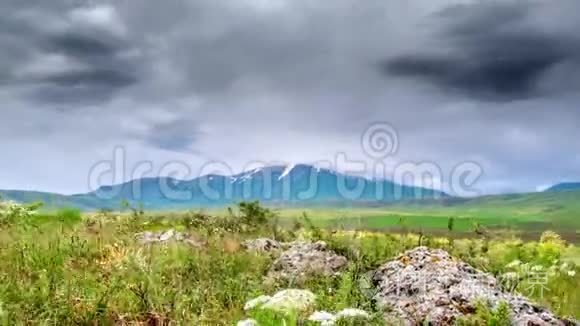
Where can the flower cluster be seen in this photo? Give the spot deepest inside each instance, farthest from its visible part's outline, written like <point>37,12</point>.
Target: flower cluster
<point>12,212</point>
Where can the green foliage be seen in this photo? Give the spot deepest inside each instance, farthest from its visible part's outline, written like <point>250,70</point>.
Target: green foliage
<point>450,224</point>
<point>94,270</point>
<point>273,318</point>
<point>69,215</point>
<point>500,316</point>
<point>12,213</point>
<point>253,214</point>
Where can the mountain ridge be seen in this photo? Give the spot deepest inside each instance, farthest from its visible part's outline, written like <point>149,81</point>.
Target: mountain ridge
<point>294,184</point>
<point>564,186</point>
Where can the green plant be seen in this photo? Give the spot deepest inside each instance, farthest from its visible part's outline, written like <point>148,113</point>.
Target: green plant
<point>253,214</point>
<point>500,316</point>
<point>12,213</point>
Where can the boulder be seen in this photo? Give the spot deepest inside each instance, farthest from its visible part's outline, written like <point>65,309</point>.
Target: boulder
<point>149,237</point>
<point>262,245</point>
<point>429,286</point>
<point>306,259</point>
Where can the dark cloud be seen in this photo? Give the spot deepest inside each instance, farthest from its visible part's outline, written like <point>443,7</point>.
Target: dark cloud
<point>89,65</point>
<point>492,51</point>
<point>80,87</point>
<point>109,78</point>
<point>289,80</point>
<point>176,135</point>
<point>80,45</point>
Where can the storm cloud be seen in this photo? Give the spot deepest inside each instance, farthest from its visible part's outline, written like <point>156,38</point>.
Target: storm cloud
<point>198,81</point>
<point>67,57</point>
<point>492,50</point>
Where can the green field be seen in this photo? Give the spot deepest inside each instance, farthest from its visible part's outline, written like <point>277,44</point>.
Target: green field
<point>68,268</point>
<point>528,214</point>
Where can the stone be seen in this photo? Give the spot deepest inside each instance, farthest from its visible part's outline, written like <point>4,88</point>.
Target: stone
<point>262,245</point>
<point>305,259</point>
<point>166,236</point>
<point>429,286</point>
<point>149,237</point>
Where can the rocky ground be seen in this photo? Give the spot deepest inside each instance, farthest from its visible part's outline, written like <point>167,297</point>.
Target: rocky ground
<point>420,286</point>
<point>424,285</point>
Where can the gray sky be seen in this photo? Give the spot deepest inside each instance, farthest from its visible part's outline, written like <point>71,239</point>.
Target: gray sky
<point>495,82</point>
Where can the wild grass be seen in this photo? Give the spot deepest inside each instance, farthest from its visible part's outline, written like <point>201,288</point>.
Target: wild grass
<point>68,269</point>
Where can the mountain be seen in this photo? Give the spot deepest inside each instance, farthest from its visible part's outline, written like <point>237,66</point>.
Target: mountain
<point>566,186</point>
<point>52,200</point>
<point>296,185</point>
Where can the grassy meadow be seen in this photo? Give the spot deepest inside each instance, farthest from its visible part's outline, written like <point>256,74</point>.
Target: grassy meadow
<point>526,215</point>
<point>68,268</point>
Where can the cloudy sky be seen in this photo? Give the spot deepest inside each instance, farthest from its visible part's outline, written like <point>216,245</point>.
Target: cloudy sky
<point>239,81</point>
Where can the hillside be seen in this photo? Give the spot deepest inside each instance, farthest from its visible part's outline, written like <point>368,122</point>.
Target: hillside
<point>566,186</point>
<point>298,185</point>
<point>53,200</point>
<point>528,214</point>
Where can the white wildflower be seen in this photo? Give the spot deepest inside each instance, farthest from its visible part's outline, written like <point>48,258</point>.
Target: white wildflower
<point>537,268</point>
<point>514,264</point>
<point>247,322</point>
<point>323,317</point>
<point>510,276</point>
<point>571,273</point>
<point>291,300</point>
<point>352,313</point>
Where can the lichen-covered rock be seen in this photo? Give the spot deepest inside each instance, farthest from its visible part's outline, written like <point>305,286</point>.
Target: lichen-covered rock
<point>262,245</point>
<point>424,285</point>
<point>305,259</point>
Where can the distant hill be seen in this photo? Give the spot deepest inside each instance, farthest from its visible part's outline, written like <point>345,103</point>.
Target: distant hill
<point>52,200</point>
<point>566,186</point>
<point>296,185</point>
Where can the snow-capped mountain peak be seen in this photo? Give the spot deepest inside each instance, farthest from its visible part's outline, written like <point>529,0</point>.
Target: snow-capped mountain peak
<point>287,171</point>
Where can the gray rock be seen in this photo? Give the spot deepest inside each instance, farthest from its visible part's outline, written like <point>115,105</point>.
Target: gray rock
<point>195,243</point>
<point>424,285</point>
<point>305,259</point>
<point>149,237</point>
<point>262,245</point>
<point>166,236</point>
